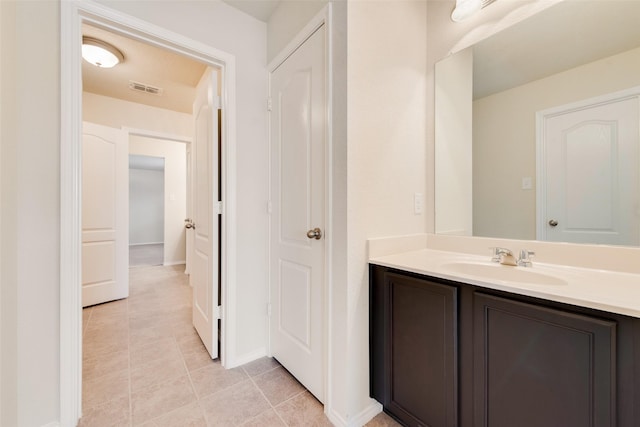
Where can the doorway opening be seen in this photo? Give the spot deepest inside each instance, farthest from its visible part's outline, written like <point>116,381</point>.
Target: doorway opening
<point>146,210</point>
<point>74,15</point>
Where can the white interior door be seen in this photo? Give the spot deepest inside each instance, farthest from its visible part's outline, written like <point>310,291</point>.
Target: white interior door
<point>591,163</point>
<point>204,268</point>
<point>105,214</point>
<point>297,265</point>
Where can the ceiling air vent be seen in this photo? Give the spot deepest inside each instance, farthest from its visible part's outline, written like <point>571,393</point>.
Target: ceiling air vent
<point>141,87</point>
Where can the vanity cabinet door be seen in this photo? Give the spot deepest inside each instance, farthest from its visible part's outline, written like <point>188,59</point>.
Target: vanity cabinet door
<point>420,367</point>
<point>536,366</point>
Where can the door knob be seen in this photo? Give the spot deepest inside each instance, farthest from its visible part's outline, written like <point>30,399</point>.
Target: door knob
<point>553,222</point>
<point>316,233</point>
<point>188,223</point>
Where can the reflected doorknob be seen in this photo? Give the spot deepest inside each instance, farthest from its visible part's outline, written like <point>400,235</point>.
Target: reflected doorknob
<point>316,233</point>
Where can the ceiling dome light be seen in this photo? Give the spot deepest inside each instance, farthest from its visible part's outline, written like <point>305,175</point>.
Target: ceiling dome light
<point>99,53</point>
<point>464,9</point>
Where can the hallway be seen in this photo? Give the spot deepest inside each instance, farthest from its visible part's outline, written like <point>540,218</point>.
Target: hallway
<point>143,364</point>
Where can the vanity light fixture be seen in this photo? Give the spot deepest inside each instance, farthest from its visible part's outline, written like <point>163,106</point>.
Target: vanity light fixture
<point>464,9</point>
<point>99,53</point>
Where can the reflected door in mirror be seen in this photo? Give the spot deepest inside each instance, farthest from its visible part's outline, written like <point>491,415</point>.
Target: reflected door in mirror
<point>589,172</point>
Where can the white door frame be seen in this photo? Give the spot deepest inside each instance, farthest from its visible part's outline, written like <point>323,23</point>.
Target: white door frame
<point>322,18</point>
<point>72,14</point>
<point>541,151</point>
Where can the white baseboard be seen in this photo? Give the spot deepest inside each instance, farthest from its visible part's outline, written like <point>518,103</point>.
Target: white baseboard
<point>145,244</point>
<point>358,420</point>
<point>174,263</point>
<point>52,424</point>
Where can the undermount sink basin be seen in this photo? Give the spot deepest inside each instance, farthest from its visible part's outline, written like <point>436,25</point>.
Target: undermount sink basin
<point>495,271</point>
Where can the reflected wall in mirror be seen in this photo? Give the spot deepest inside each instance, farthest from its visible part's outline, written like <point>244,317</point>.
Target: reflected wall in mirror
<point>570,52</point>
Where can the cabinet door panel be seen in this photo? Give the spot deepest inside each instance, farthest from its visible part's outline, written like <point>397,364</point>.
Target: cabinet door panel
<point>535,366</point>
<point>421,359</point>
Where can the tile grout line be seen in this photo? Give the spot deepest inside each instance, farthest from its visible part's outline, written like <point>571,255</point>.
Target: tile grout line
<point>264,396</point>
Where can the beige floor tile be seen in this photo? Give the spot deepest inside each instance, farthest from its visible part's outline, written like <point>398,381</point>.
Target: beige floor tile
<point>107,387</point>
<point>113,308</point>
<point>156,371</point>
<point>187,416</point>
<point>382,420</point>
<point>143,336</point>
<point>260,366</point>
<point>213,378</point>
<point>111,413</point>
<point>268,418</point>
<point>234,405</point>
<point>303,410</point>
<point>278,385</point>
<point>161,399</point>
<point>103,364</point>
<point>194,353</point>
<point>141,354</point>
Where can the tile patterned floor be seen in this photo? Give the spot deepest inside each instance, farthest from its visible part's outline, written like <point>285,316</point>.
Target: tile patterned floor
<point>144,365</point>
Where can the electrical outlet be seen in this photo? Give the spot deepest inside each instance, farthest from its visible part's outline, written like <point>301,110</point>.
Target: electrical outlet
<point>418,203</point>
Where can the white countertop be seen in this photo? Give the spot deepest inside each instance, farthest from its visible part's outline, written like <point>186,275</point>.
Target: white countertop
<point>604,290</point>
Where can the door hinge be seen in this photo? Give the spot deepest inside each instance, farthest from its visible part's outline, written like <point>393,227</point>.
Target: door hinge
<point>217,312</point>
<point>269,104</point>
<point>269,207</point>
<point>268,310</point>
<point>217,207</point>
<point>217,102</point>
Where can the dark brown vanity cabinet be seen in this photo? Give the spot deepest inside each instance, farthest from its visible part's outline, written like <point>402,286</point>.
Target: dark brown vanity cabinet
<point>447,354</point>
<point>536,366</point>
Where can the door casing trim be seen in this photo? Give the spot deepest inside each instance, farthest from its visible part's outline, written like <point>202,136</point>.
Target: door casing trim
<point>72,14</point>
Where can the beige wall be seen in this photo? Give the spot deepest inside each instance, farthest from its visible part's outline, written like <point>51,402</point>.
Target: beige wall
<point>504,140</point>
<point>453,170</point>
<point>386,152</point>
<point>117,113</point>
<point>30,212</point>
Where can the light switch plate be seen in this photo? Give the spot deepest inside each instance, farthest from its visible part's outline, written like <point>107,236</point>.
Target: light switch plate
<point>418,203</point>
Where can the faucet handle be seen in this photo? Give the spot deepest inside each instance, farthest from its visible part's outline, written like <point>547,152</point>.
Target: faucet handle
<point>497,252</point>
<point>525,258</point>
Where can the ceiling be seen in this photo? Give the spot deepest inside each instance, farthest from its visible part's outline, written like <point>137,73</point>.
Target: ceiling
<point>564,36</point>
<point>175,74</point>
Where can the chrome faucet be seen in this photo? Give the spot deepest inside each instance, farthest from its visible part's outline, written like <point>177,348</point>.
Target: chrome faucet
<point>524,260</point>
<point>503,256</point>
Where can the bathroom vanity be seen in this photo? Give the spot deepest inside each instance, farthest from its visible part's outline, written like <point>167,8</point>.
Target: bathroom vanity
<point>452,346</point>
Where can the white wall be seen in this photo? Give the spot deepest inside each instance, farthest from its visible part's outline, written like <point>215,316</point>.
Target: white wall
<point>175,191</point>
<point>30,212</point>
<point>146,206</point>
<point>287,20</point>
<point>504,139</point>
<point>386,155</point>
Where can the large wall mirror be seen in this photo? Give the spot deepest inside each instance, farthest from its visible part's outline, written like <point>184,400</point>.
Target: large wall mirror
<point>489,100</point>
